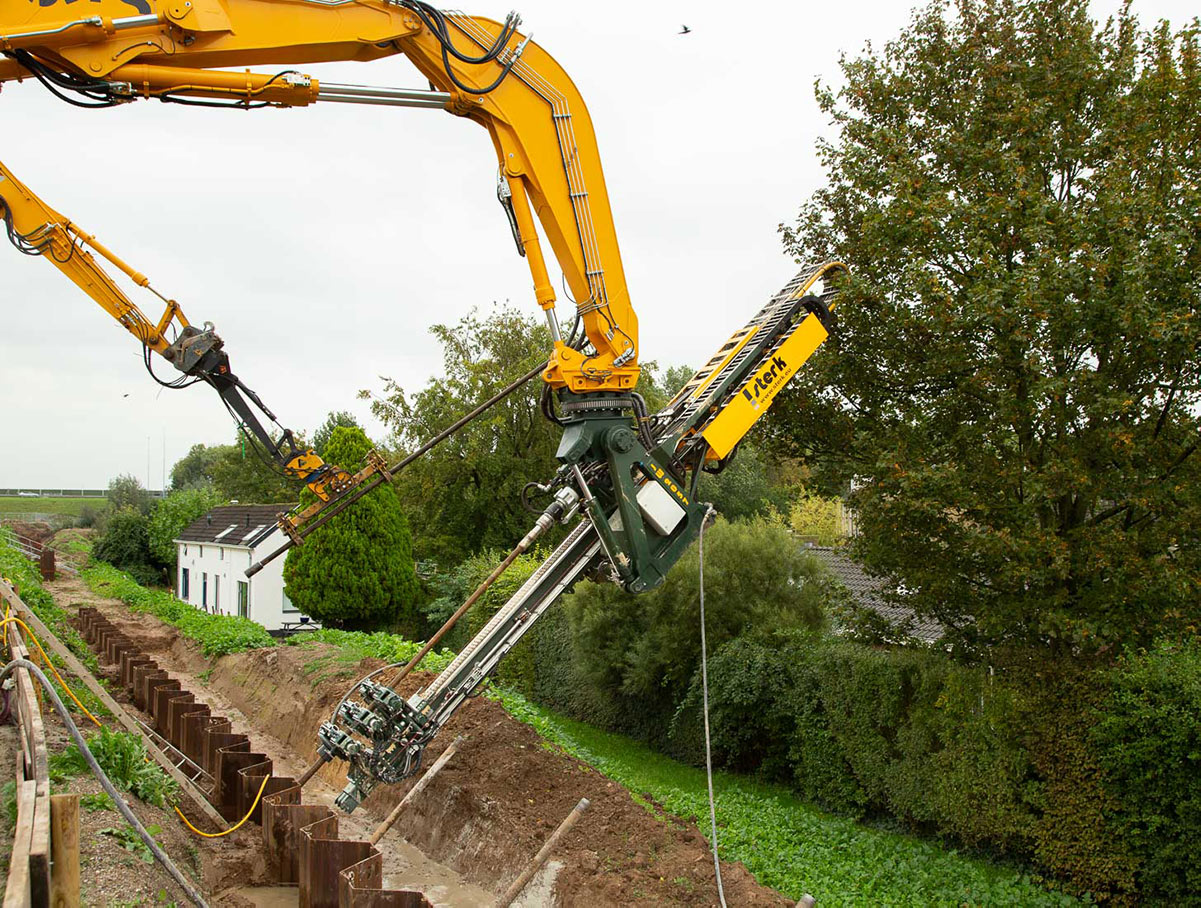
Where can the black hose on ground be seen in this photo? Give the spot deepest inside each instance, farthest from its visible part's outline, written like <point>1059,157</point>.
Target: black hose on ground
<point>130,817</point>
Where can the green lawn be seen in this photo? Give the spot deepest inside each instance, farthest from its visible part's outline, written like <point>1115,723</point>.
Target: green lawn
<point>69,506</point>
<point>789,845</point>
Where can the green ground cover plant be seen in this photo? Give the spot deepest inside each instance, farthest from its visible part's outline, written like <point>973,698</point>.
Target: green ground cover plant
<point>785,843</point>
<point>18,569</point>
<point>218,635</point>
<point>379,645</point>
<point>122,755</point>
<point>71,507</point>
<point>128,839</point>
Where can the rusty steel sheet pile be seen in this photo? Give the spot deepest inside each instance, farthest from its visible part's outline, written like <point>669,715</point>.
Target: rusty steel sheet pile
<point>300,840</point>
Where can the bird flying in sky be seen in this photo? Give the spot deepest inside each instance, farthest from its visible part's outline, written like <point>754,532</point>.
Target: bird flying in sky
<point>685,30</point>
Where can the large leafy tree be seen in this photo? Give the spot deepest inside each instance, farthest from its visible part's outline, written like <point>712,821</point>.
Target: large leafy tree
<point>127,491</point>
<point>357,571</point>
<point>464,496</point>
<point>241,472</point>
<point>1015,391</point>
<point>196,467</point>
<point>172,515</point>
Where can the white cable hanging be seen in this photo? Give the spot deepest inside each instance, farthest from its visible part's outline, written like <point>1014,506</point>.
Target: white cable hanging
<point>700,550</point>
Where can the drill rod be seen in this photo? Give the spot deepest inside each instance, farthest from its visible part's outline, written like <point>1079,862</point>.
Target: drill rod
<point>336,507</point>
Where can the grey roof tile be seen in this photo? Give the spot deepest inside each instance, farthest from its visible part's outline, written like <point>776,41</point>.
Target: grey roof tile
<point>235,524</point>
<point>867,591</point>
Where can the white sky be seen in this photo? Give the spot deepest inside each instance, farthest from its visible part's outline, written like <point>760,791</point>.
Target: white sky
<point>324,241</point>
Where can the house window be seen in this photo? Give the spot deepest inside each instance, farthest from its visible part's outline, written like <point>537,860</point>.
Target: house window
<point>204,589</point>
<point>216,593</point>
<point>185,548</point>
<point>243,599</point>
<point>220,553</point>
<point>288,606</point>
<point>201,551</point>
<point>183,584</point>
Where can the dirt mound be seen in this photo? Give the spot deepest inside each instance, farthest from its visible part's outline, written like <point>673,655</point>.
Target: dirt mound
<point>494,804</point>
<point>31,529</point>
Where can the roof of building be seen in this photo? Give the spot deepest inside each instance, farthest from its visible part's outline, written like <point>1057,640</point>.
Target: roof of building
<point>868,591</point>
<point>239,525</point>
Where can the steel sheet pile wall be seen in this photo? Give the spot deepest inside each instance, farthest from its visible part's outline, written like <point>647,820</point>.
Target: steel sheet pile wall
<point>301,840</point>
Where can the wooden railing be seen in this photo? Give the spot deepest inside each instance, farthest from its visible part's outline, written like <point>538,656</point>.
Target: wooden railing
<point>45,853</point>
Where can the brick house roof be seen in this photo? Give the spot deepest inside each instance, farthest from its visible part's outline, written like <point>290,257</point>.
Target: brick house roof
<point>240,525</point>
<point>867,591</point>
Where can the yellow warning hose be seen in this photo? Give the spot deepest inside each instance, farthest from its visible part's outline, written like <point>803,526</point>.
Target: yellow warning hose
<point>32,636</point>
<point>217,835</point>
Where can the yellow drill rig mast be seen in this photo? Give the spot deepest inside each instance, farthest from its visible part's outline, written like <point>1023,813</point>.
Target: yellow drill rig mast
<point>633,475</point>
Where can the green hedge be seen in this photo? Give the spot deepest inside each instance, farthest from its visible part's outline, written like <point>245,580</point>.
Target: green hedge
<point>218,635</point>
<point>1087,772</point>
<point>1149,745</point>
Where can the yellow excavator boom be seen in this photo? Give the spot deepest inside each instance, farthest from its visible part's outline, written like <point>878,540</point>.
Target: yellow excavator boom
<point>549,166</point>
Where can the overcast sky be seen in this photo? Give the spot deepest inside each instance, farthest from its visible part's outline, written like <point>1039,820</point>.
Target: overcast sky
<point>324,241</point>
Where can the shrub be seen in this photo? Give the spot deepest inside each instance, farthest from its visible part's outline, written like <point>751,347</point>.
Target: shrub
<point>125,545</point>
<point>1149,740</point>
<point>357,571</point>
<point>815,517</point>
<point>123,757</point>
<point>648,646</point>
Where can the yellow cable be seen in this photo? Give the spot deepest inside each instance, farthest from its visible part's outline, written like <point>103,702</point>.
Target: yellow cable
<point>217,835</point>
<point>32,636</point>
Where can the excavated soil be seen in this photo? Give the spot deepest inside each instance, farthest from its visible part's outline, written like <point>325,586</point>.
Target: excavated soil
<point>484,816</point>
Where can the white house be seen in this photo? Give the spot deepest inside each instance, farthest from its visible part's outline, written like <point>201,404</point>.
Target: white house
<point>213,554</point>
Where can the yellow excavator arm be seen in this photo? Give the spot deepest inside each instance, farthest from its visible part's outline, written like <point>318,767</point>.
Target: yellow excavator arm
<point>479,69</point>
<point>634,474</point>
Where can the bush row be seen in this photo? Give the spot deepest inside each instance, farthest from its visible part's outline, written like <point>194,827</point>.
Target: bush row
<point>1087,770</point>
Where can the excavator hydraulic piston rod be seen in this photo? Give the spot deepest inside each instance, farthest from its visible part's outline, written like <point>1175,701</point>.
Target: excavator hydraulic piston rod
<point>392,97</point>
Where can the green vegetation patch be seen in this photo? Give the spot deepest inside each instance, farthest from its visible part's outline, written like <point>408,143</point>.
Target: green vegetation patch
<point>785,843</point>
<point>20,570</point>
<point>388,647</point>
<point>71,507</point>
<point>218,635</point>
<point>123,757</point>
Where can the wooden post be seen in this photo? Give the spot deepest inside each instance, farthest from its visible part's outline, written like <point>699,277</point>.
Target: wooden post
<point>540,858</point>
<point>64,851</point>
<point>416,790</point>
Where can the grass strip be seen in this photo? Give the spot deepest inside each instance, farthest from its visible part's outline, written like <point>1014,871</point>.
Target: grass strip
<point>20,570</point>
<point>70,507</point>
<point>379,645</point>
<point>218,635</point>
<point>789,845</point>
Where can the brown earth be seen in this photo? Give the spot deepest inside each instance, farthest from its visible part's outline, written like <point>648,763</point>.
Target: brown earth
<point>490,809</point>
<point>31,529</point>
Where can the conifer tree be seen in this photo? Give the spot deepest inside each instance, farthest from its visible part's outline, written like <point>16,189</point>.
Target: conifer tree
<point>357,571</point>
